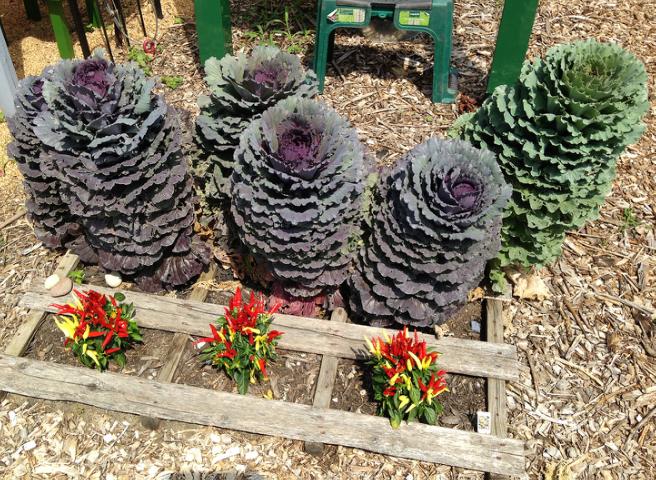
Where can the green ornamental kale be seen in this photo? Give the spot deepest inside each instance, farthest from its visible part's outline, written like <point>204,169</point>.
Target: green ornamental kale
<point>435,225</point>
<point>241,88</point>
<point>557,134</point>
<point>296,195</point>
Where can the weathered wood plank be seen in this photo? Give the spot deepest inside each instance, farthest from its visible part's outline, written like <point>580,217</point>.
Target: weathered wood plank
<point>323,390</point>
<point>343,340</point>
<point>172,401</point>
<point>179,342</point>
<point>25,331</point>
<point>496,388</point>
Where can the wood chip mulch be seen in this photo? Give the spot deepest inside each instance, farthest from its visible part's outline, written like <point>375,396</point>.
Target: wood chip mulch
<point>586,400</point>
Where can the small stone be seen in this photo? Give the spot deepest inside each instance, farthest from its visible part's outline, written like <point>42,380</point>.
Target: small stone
<point>252,455</point>
<point>63,287</point>
<point>51,281</point>
<point>113,279</point>
<point>108,438</point>
<point>450,420</point>
<point>29,446</point>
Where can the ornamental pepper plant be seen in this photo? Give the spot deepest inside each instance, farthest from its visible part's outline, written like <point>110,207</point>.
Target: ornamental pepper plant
<point>98,328</point>
<point>406,378</point>
<point>241,343</point>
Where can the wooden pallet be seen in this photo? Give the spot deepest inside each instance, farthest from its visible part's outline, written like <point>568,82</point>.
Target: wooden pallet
<point>316,424</point>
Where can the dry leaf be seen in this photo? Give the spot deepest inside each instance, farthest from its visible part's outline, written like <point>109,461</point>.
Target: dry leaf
<point>529,286</point>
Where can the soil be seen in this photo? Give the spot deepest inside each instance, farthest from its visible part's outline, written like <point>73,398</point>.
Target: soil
<point>291,377</point>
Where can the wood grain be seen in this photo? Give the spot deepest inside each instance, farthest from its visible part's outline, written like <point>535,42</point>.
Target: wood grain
<point>323,391</point>
<point>172,401</point>
<point>179,342</point>
<point>312,335</point>
<point>25,331</point>
<point>496,388</point>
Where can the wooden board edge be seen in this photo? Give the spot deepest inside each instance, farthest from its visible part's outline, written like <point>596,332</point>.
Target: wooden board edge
<point>170,401</point>
<point>460,356</point>
<point>325,382</point>
<point>496,388</point>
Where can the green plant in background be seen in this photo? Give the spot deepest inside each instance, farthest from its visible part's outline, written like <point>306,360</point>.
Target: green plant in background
<point>268,29</point>
<point>142,59</point>
<point>557,134</point>
<point>2,117</point>
<point>77,276</point>
<point>172,81</point>
<point>629,220</point>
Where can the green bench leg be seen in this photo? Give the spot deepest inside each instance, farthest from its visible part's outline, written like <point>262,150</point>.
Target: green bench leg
<point>322,42</point>
<point>214,29</point>
<point>32,9</point>
<point>441,23</point>
<point>512,42</point>
<point>62,34</point>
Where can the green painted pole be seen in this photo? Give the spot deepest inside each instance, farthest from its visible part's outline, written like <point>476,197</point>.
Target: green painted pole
<point>62,34</point>
<point>213,26</point>
<point>32,9</point>
<point>512,41</point>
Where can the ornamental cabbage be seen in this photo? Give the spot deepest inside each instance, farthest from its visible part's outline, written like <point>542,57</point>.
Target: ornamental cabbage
<point>241,88</point>
<point>114,147</point>
<point>296,195</point>
<point>435,225</point>
<point>52,222</point>
<point>557,134</point>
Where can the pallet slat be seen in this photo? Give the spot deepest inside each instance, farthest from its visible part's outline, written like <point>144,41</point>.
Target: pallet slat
<point>25,332</point>
<point>171,401</point>
<point>496,388</point>
<point>323,391</point>
<point>344,340</point>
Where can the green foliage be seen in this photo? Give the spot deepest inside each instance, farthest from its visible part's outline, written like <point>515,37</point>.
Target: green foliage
<point>2,117</point>
<point>77,276</point>
<point>142,59</point>
<point>179,21</point>
<point>405,378</point>
<point>172,81</point>
<point>629,220</point>
<point>557,134</point>
<point>241,343</point>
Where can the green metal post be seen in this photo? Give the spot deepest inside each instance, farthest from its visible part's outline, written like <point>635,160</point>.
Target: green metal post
<point>214,30</point>
<point>62,34</point>
<point>32,9</point>
<point>512,41</point>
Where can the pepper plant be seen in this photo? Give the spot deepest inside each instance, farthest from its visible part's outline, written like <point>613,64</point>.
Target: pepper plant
<point>241,343</point>
<point>98,328</point>
<point>406,378</point>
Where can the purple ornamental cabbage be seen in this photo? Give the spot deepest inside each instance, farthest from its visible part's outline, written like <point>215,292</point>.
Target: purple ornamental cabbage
<point>241,88</point>
<point>435,226</point>
<point>115,149</point>
<point>49,214</point>
<point>297,191</point>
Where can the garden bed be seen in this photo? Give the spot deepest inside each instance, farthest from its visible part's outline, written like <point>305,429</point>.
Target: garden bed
<point>308,337</point>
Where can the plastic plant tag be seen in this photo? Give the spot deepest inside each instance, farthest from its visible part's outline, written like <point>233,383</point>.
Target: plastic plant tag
<point>414,18</point>
<point>484,422</point>
<point>347,15</point>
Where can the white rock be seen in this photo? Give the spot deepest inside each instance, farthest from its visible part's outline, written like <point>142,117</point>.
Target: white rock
<point>252,455</point>
<point>51,281</point>
<point>108,438</point>
<point>29,446</point>
<point>63,287</point>
<point>113,279</point>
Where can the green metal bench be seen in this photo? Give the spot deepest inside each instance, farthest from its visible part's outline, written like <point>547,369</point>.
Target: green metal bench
<point>434,17</point>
